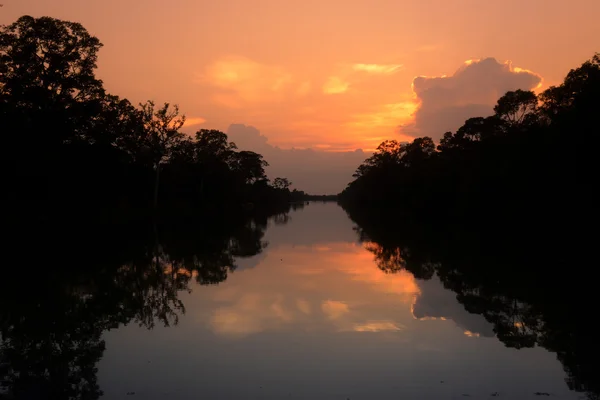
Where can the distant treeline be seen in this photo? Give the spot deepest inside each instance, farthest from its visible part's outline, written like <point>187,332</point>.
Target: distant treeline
<point>71,147</point>
<point>533,162</point>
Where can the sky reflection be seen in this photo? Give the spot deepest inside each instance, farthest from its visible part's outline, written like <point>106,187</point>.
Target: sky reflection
<point>314,318</point>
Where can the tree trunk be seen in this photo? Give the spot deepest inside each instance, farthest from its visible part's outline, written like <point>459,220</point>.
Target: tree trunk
<point>156,243</point>
<point>156,184</point>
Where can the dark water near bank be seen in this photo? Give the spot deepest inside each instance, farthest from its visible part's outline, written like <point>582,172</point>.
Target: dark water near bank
<point>305,314</point>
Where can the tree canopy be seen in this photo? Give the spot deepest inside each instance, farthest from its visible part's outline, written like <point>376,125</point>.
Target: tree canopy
<point>533,154</point>
<point>498,211</point>
<point>74,148</point>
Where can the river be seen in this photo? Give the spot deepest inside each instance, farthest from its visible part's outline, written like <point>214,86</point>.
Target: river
<point>310,315</point>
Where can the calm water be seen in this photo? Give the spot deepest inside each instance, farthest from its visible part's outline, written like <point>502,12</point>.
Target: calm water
<point>311,316</point>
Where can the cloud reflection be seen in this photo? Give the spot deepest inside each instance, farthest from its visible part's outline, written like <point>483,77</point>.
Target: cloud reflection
<point>334,309</point>
<point>334,287</point>
<point>379,327</point>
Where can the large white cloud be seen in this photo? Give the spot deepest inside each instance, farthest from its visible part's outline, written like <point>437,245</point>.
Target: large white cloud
<point>472,91</point>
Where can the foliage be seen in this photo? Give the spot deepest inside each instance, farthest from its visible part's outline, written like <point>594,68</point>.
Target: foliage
<point>535,154</point>
<point>75,149</point>
<point>281,183</point>
<point>501,212</point>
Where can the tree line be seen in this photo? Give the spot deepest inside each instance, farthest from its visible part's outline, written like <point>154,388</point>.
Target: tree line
<point>532,161</point>
<point>72,146</point>
<point>502,212</point>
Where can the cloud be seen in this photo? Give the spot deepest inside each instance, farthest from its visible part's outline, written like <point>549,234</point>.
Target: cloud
<point>377,68</point>
<point>248,138</point>
<point>472,91</point>
<point>314,171</point>
<point>303,306</point>
<point>381,326</point>
<point>328,107</point>
<point>231,322</point>
<point>242,79</point>
<point>191,121</point>
<point>251,313</point>
<point>334,309</point>
<point>402,284</point>
<point>384,115</point>
<point>350,294</point>
<point>348,75</point>
<point>324,129</point>
<point>335,85</point>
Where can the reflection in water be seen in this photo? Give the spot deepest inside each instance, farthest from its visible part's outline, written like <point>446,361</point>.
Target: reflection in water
<point>297,288</point>
<point>433,303</point>
<point>301,311</point>
<point>64,287</point>
<point>520,286</point>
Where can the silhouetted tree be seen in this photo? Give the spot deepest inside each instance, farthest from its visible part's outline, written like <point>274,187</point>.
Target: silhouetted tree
<point>281,183</point>
<point>47,65</point>
<point>76,155</point>
<point>500,212</point>
<point>515,107</point>
<point>48,96</point>
<point>77,150</point>
<point>250,166</point>
<point>162,134</point>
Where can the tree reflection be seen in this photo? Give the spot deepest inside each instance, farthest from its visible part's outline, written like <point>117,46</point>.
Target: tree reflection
<point>64,287</point>
<point>533,291</point>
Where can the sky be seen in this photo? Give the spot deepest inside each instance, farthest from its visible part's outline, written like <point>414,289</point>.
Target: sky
<point>330,79</point>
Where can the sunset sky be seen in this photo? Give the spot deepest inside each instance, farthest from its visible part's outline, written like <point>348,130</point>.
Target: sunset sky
<point>331,75</point>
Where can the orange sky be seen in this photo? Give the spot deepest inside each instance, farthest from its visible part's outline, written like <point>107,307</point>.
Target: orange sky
<point>332,75</point>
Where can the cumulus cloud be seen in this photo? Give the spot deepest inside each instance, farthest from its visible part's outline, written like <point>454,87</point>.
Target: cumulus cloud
<point>329,116</point>
<point>248,138</point>
<point>314,171</point>
<point>472,91</point>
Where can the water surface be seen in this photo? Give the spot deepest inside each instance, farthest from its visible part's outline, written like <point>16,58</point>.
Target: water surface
<point>312,316</point>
